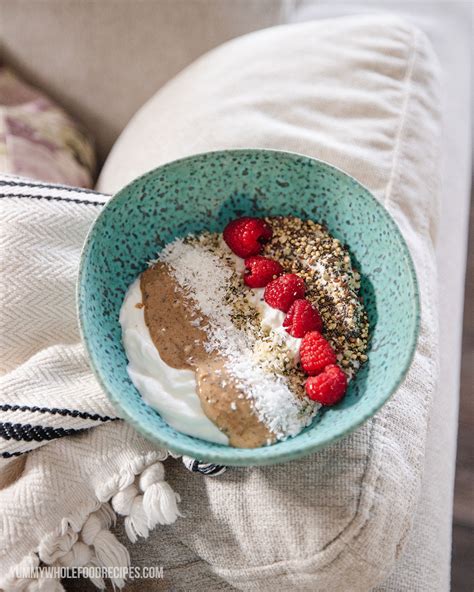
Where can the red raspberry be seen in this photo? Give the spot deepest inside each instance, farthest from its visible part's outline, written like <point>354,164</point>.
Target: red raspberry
<point>284,290</point>
<point>329,387</point>
<point>261,270</point>
<point>315,353</point>
<point>302,318</point>
<point>244,236</point>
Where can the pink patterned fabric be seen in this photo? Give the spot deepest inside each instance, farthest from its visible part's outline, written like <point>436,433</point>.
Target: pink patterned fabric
<point>38,139</point>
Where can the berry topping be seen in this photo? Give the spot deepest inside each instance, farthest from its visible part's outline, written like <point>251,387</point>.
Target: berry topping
<point>315,353</point>
<point>329,387</point>
<point>260,270</point>
<point>284,290</point>
<point>301,318</point>
<point>245,236</point>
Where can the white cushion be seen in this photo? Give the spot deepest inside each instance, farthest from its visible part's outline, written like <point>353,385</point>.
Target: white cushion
<point>426,561</point>
<point>360,93</point>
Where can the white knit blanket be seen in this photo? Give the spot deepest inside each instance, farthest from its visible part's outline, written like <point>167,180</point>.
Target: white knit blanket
<point>59,496</point>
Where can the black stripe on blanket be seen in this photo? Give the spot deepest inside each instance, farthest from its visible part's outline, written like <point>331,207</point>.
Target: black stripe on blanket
<point>86,202</point>
<point>40,185</point>
<point>12,454</point>
<point>196,466</point>
<point>56,411</point>
<point>28,433</point>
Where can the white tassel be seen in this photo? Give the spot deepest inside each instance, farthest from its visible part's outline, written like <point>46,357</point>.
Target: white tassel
<point>160,502</point>
<point>106,515</point>
<point>98,582</point>
<point>109,552</point>
<point>136,523</point>
<point>152,474</point>
<point>91,528</point>
<point>55,545</point>
<point>79,555</point>
<point>76,519</point>
<point>123,500</point>
<point>129,503</point>
<point>156,504</point>
<point>125,478</point>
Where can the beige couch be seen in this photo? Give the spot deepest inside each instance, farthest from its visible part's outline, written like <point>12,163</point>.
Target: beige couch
<point>102,60</point>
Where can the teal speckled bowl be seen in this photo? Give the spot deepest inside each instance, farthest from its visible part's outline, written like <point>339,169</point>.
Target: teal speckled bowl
<point>204,192</point>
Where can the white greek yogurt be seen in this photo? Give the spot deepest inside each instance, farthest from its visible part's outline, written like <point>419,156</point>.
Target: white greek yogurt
<point>272,320</point>
<point>173,392</point>
<point>170,391</point>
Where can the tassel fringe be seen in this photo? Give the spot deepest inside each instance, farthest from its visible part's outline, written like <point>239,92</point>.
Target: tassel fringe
<point>140,494</point>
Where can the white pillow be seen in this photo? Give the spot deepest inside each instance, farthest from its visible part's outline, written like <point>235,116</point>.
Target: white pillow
<point>360,93</point>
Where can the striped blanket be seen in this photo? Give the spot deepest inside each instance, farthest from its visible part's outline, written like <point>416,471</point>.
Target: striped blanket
<point>59,496</point>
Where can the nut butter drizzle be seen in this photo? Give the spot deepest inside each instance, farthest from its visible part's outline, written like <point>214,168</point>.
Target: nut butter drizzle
<point>175,326</point>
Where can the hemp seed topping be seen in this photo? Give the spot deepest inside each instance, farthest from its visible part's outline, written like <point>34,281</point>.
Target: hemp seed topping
<point>306,248</point>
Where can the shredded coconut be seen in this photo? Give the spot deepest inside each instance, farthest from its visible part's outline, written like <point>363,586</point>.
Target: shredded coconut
<point>205,277</point>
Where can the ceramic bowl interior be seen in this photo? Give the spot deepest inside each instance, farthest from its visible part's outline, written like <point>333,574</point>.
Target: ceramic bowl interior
<point>204,192</point>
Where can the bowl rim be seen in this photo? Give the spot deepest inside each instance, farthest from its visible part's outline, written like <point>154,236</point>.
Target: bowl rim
<point>249,456</point>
